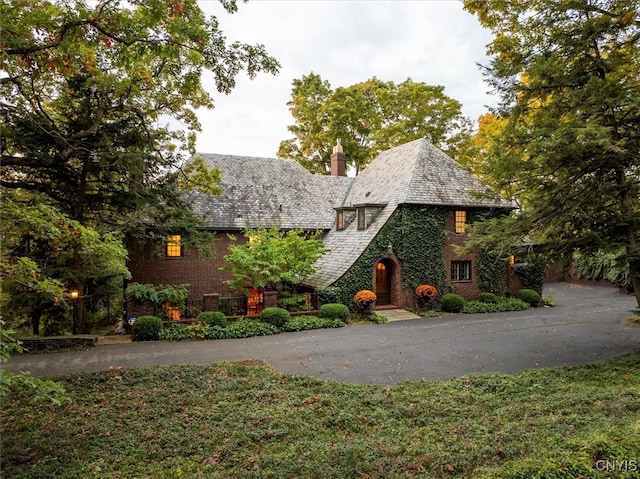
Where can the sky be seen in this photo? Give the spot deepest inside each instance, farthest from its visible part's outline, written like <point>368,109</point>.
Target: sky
<point>345,42</point>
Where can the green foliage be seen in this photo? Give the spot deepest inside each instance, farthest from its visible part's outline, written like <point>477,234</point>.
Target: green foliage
<point>532,272</point>
<point>40,246</point>
<point>293,302</point>
<point>335,311</point>
<point>175,332</point>
<point>213,318</point>
<point>244,328</point>
<point>417,236</point>
<point>499,306</point>
<point>146,328</point>
<point>571,163</point>
<point>487,298</point>
<point>452,303</point>
<point>491,268</point>
<point>158,294</point>
<point>530,297</point>
<point>613,267</point>
<point>302,323</point>
<point>369,117</point>
<point>177,421</point>
<point>275,316</point>
<point>34,389</point>
<point>270,257</point>
<point>330,294</point>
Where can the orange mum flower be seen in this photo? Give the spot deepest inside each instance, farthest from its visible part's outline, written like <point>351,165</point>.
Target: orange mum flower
<point>364,297</point>
<point>426,291</point>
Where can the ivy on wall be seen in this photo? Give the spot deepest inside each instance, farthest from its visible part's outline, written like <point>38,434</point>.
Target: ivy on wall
<point>491,268</point>
<point>417,236</point>
<point>532,272</point>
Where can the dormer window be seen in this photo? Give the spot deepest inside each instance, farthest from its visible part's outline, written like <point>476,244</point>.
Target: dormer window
<point>362,218</point>
<point>344,217</point>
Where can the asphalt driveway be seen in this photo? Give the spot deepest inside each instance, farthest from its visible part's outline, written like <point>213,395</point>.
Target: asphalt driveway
<point>586,325</point>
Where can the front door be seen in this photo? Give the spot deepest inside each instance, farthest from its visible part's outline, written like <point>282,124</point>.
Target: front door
<point>383,283</point>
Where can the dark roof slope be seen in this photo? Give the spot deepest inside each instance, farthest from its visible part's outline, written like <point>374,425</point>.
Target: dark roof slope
<point>267,192</point>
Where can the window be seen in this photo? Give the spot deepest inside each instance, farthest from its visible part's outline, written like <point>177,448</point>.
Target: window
<point>461,221</point>
<point>174,246</point>
<point>362,222</point>
<point>461,271</point>
<point>340,221</point>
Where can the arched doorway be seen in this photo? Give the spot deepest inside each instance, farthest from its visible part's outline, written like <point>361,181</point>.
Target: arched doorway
<point>387,281</point>
<point>383,274</point>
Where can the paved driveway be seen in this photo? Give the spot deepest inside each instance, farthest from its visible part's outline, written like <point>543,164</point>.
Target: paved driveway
<point>585,326</point>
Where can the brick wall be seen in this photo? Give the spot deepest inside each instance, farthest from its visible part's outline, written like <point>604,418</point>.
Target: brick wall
<point>150,266</point>
<point>468,289</point>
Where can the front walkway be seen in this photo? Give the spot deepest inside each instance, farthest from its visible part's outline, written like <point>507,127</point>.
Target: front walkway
<point>396,314</point>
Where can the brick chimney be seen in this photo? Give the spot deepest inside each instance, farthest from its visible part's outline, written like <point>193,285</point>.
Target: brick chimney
<point>338,161</point>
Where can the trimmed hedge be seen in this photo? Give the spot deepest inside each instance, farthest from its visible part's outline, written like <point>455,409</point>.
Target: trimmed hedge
<point>146,328</point>
<point>452,303</point>
<point>303,323</point>
<point>501,306</point>
<point>530,296</point>
<point>275,316</point>
<point>335,311</point>
<point>213,318</point>
<point>487,298</point>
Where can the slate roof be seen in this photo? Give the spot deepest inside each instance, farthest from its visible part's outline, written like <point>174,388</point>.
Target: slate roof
<point>413,173</point>
<point>267,192</point>
<point>272,191</point>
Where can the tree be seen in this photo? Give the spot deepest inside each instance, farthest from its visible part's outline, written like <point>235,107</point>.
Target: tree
<point>271,257</point>
<point>369,117</point>
<point>567,74</point>
<point>98,108</point>
<point>38,243</point>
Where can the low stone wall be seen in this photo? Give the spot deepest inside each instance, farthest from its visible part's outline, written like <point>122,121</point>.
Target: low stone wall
<point>51,343</point>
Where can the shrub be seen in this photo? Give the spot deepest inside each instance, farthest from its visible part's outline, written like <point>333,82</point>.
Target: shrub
<point>529,296</point>
<point>216,332</point>
<point>275,316</point>
<point>146,328</point>
<point>335,311</point>
<point>426,291</point>
<point>302,323</point>
<point>245,328</point>
<point>363,301</point>
<point>330,294</point>
<point>213,318</point>
<point>487,298</point>
<point>294,302</point>
<point>452,303</point>
<point>502,305</point>
<point>174,332</point>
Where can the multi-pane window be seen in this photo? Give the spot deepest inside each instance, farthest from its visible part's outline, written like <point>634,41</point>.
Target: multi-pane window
<point>174,246</point>
<point>461,221</point>
<point>461,271</point>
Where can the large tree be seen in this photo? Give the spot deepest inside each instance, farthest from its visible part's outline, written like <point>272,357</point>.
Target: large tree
<point>369,117</point>
<point>98,105</point>
<point>569,147</point>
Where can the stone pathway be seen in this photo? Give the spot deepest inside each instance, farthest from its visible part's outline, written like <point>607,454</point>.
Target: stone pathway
<point>396,314</point>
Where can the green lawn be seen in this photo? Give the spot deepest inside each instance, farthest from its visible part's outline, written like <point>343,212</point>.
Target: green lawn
<point>229,420</point>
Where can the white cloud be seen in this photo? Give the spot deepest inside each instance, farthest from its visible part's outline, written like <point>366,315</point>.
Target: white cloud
<point>345,42</point>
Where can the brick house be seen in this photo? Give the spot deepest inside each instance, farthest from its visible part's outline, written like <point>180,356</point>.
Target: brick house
<point>392,227</point>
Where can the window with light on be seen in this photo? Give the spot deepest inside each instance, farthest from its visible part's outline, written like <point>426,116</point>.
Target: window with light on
<point>461,221</point>
<point>174,246</point>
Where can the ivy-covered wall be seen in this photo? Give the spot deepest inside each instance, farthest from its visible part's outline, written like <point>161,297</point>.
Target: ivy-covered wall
<point>417,237</point>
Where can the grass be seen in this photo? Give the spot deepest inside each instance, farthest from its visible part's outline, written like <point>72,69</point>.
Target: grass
<point>250,421</point>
